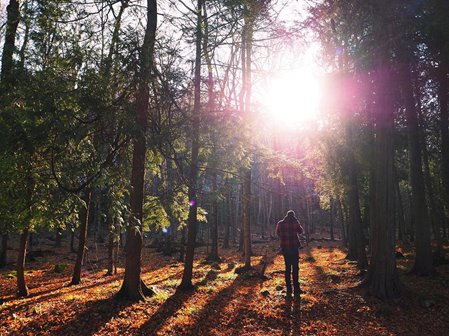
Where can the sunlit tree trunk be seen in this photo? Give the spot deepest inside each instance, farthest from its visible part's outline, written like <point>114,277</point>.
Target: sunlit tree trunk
<point>186,282</point>
<point>133,287</point>
<point>76,277</point>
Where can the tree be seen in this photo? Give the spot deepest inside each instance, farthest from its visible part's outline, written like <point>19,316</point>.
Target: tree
<point>133,287</point>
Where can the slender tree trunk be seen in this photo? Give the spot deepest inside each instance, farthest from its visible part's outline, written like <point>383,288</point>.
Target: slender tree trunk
<point>12,21</point>
<point>111,247</point>
<point>21,283</point>
<point>186,282</point>
<point>76,277</point>
<point>423,259</point>
<point>58,236</point>
<point>342,222</point>
<point>444,115</point>
<point>247,41</point>
<point>227,221</point>
<point>4,251</point>
<point>133,287</point>
<point>182,248</point>
<point>72,240</point>
<point>436,212</point>
<point>331,218</point>
<point>214,223</point>
<point>356,244</point>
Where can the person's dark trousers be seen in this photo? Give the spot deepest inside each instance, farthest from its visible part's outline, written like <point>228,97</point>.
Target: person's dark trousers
<point>291,258</point>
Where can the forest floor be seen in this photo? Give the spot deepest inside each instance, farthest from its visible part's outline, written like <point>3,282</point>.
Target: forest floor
<point>223,303</point>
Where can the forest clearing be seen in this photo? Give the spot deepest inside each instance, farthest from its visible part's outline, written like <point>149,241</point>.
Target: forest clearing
<point>223,303</point>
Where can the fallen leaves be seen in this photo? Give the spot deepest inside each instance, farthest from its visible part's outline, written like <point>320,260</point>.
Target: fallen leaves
<point>224,303</point>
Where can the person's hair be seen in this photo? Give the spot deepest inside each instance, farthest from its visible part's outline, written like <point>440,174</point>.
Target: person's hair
<point>290,217</point>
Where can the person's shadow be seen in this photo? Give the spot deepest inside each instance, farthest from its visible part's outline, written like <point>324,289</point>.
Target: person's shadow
<point>292,311</point>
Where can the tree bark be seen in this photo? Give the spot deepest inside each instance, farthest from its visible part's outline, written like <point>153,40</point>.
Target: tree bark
<point>186,282</point>
<point>133,287</point>
<point>423,258</point>
<point>382,280</point>
<point>21,283</point>
<point>356,244</point>
<point>12,21</point>
<point>76,277</point>
<point>4,251</point>
<point>444,114</point>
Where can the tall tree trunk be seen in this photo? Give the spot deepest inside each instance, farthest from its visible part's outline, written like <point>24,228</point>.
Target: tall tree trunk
<point>444,115</point>
<point>76,277</point>
<point>423,259</point>
<point>133,287</point>
<point>210,109</point>
<point>192,220</point>
<point>4,251</point>
<point>356,244</point>
<point>382,280</point>
<point>12,21</point>
<point>245,105</point>
<point>21,283</point>
<point>436,211</point>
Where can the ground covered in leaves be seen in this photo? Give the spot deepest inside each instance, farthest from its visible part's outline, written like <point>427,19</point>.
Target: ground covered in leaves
<point>224,302</point>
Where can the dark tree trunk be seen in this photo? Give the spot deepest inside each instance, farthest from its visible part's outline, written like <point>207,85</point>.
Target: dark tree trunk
<point>182,248</point>
<point>72,240</point>
<point>331,218</point>
<point>76,277</point>
<point>214,221</point>
<point>21,283</point>
<point>30,254</point>
<point>245,105</point>
<point>133,287</point>
<point>443,102</point>
<point>382,280</point>
<point>227,221</point>
<point>111,247</point>
<point>58,236</point>
<point>356,244</point>
<point>12,21</point>
<point>341,217</point>
<point>186,282</point>
<point>4,251</point>
<point>423,258</point>
<point>247,218</point>
<point>402,234</point>
<point>436,211</point>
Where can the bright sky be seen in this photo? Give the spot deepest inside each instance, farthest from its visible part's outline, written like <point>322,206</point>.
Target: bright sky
<point>289,91</point>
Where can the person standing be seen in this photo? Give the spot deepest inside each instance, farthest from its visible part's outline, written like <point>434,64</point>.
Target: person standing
<point>288,230</point>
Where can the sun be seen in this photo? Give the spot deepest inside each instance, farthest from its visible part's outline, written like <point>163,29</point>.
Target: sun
<point>292,97</point>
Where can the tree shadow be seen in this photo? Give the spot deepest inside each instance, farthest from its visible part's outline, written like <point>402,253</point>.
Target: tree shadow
<point>164,312</point>
<point>89,321</point>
